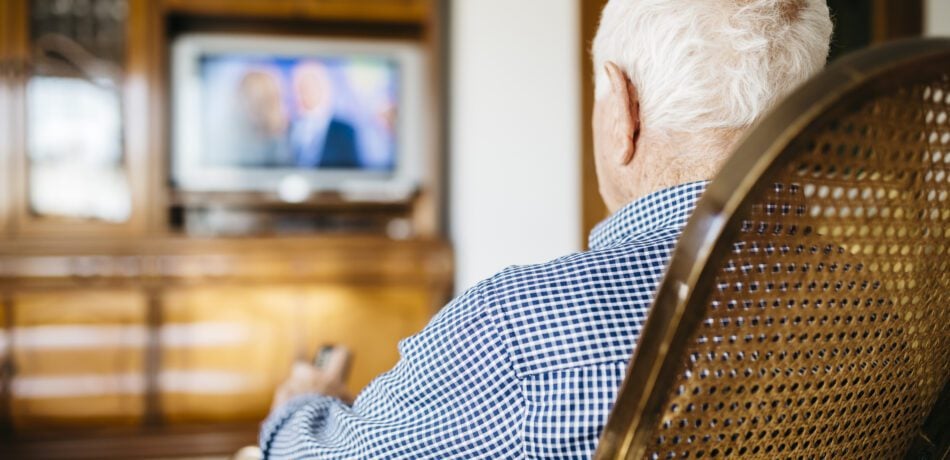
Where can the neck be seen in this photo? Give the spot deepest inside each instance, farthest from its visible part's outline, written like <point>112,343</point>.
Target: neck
<point>667,160</point>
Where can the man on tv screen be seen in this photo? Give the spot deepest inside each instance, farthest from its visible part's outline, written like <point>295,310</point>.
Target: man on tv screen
<point>318,139</point>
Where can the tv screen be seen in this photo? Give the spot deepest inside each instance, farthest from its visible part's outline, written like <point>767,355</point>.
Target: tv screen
<point>252,111</point>
<point>299,112</point>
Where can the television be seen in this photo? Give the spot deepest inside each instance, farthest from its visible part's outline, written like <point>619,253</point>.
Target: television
<point>294,116</point>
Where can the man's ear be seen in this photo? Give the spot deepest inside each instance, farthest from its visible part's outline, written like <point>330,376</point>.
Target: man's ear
<point>626,112</point>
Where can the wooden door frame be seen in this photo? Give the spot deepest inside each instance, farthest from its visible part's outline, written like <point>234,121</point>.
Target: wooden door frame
<point>894,20</point>
<point>5,75</point>
<point>593,209</point>
<point>15,28</point>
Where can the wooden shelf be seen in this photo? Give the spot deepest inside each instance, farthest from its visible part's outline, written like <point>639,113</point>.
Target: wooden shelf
<point>261,200</point>
<point>166,261</point>
<point>388,11</point>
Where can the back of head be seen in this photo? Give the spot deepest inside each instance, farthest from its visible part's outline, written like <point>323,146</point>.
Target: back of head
<point>711,64</point>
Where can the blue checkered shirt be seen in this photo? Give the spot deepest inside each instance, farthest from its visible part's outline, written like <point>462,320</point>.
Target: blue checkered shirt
<point>526,364</point>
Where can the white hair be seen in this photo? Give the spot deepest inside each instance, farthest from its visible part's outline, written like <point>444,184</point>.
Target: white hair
<point>708,64</point>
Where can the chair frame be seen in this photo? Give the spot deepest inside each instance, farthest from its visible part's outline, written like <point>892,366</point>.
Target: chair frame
<point>679,307</point>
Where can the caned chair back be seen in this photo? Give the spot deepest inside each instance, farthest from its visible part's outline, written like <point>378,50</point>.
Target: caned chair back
<point>805,311</point>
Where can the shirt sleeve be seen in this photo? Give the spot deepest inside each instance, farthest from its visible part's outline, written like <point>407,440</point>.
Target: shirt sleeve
<point>453,394</point>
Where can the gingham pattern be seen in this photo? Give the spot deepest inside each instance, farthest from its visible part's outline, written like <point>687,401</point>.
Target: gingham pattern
<point>526,364</point>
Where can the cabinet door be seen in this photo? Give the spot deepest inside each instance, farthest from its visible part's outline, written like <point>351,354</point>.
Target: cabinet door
<point>77,148</point>
<point>369,321</point>
<point>78,359</point>
<point>224,350</point>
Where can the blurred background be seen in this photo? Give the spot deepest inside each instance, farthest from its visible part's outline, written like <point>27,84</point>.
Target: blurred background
<point>196,193</point>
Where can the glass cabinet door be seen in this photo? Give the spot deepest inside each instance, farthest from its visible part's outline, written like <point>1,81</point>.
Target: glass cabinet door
<point>76,169</point>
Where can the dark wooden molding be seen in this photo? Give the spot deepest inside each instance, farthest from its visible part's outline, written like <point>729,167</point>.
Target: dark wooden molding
<point>894,20</point>
<point>406,11</point>
<point>7,369</point>
<point>153,359</point>
<point>593,209</point>
<point>194,441</point>
<point>6,73</point>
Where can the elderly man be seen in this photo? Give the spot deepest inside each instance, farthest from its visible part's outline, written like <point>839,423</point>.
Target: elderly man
<point>528,363</point>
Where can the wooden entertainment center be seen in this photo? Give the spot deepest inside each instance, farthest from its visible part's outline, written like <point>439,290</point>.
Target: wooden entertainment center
<point>138,337</point>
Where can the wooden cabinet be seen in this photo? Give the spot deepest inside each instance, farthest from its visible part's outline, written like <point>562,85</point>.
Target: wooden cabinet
<point>121,334</point>
<point>137,338</point>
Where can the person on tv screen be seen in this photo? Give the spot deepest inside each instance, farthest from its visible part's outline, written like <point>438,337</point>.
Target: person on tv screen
<point>261,123</point>
<point>318,139</point>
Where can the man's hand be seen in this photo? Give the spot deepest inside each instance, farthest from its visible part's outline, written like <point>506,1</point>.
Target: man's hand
<point>306,379</point>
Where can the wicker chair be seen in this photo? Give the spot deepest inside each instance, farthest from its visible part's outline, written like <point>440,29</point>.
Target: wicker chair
<point>805,311</point>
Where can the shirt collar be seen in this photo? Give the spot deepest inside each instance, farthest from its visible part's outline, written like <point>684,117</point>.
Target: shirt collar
<point>667,208</point>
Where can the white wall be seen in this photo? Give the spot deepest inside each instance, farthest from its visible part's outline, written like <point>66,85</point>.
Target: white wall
<point>515,133</point>
<point>937,17</point>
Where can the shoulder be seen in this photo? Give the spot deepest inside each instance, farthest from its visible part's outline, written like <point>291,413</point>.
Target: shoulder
<point>582,309</point>
<point>340,127</point>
